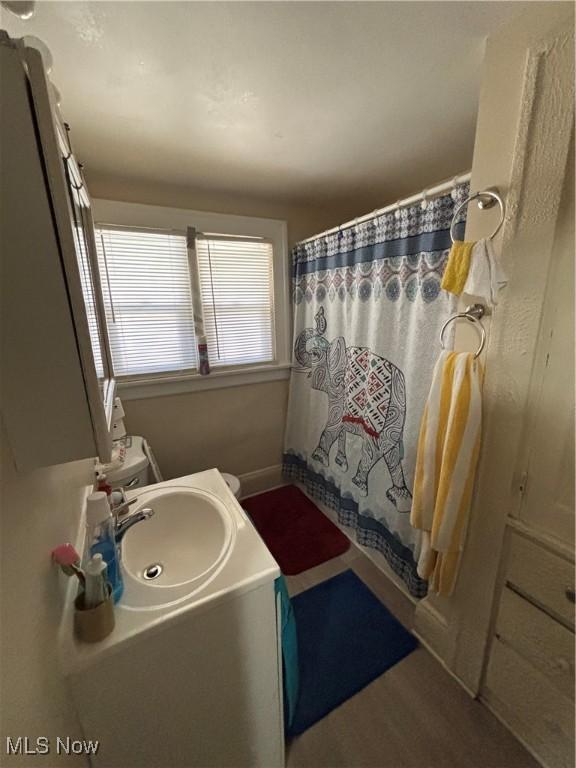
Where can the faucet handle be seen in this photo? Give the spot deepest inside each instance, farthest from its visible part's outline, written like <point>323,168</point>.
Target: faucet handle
<point>122,507</point>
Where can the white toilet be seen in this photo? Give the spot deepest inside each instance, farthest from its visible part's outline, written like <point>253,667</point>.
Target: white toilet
<point>139,468</point>
<point>135,465</point>
<point>233,483</point>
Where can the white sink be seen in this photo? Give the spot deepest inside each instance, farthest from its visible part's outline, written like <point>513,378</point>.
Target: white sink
<point>173,554</point>
<point>209,553</point>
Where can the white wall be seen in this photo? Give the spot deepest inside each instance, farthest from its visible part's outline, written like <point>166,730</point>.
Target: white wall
<point>237,429</point>
<point>39,510</point>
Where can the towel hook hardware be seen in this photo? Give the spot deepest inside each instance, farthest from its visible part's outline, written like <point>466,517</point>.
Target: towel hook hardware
<point>474,313</point>
<point>486,199</point>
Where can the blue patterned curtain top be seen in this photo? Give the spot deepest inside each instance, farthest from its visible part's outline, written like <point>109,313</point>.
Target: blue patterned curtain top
<point>368,309</point>
<point>406,232</point>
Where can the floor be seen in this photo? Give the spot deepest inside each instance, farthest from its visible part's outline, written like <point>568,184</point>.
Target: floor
<point>414,716</point>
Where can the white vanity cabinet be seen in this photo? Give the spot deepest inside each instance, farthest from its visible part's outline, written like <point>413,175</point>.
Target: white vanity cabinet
<point>57,388</point>
<point>191,675</point>
<point>203,691</point>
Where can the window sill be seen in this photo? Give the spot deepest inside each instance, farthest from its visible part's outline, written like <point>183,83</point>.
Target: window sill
<point>219,379</point>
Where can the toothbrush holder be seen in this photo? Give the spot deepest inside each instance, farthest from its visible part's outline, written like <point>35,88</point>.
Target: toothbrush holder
<point>93,624</point>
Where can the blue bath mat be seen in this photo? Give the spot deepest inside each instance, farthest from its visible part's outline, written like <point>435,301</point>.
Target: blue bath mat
<point>346,639</point>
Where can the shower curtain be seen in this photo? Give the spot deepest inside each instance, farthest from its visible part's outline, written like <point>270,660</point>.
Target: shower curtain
<point>368,309</point>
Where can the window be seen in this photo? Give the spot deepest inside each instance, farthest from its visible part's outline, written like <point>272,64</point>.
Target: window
<point>237,298</point>
<point>147,297</point>
<point>147,291</point>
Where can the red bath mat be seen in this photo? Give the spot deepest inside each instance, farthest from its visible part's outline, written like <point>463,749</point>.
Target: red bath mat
<point>294,530</point>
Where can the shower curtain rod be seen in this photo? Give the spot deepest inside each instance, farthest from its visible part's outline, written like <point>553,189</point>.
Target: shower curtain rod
<point>426,194</point>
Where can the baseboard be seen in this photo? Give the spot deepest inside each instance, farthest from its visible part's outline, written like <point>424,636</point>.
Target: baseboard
<point>432,625</point>
<point>261,480</point>
<point>442,663</point>
<point>430,615</point>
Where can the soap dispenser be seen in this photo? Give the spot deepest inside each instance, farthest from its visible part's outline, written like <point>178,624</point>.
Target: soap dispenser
<point>101,539</point>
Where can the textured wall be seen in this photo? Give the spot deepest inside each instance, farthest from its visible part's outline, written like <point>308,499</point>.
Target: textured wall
<point>40,509</point>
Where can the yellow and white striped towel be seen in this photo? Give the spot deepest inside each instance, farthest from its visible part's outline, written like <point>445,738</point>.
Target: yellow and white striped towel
<point>448,448</point>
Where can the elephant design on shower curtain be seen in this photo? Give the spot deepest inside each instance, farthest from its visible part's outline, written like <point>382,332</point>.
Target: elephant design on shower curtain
<point>366,397</point>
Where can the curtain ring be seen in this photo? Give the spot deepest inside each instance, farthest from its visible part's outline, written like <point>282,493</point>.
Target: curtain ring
<point>453,194</point>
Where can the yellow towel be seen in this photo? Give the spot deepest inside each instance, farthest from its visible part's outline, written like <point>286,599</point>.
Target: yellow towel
<point>457,267</point>
<point>448,448</point>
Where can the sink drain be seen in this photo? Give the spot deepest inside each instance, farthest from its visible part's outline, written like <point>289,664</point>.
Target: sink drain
<point>153,571</point>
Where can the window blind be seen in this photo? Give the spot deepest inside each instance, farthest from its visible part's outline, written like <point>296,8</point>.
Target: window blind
<point>85,270</point>
<point>146,290</point>
<point>89,299</point>
<point>236,285</point>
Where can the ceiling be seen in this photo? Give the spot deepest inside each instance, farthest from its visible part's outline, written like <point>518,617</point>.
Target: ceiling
<point>309,103</point>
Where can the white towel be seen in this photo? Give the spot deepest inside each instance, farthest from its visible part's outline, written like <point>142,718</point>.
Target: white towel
<point>485,276</point>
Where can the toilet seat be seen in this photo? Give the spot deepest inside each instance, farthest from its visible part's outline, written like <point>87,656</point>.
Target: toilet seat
<point>233,483</point>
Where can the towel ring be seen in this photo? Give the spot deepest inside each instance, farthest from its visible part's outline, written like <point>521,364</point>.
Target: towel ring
<point>483,203</point>
<point>473,314</point>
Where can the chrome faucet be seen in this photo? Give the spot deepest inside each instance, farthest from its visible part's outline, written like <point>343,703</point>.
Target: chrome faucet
<point>122,526</point>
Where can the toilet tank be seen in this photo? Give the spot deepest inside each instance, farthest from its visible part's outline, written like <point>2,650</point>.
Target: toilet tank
<point>137,466</point>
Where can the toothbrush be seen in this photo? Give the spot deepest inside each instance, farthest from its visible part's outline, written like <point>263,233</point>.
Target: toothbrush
<point>68,559</point>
